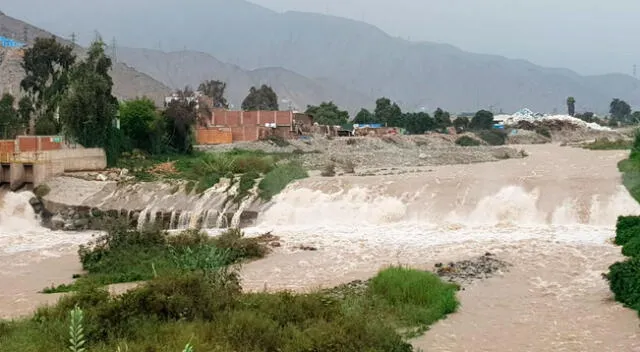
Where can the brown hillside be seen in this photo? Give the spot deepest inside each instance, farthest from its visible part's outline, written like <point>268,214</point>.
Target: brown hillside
<point>128,83</point>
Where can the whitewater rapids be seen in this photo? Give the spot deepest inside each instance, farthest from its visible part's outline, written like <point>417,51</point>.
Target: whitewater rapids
<point>551,215</point>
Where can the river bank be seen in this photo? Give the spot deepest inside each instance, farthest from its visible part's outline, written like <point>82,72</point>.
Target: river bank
<point>551,215</point>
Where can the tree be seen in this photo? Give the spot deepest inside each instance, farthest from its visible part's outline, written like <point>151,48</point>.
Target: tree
<point>264,98</point>
<point>364,116</point>
<point>620,110</point>
<point>88,111</point>
<point>47,66</point>
<point>328,114</point>
<point>418,122</point>
<point>215,90</point>
<point>10,123</point>
<point>180,118</point>
<point>482,120</point>
<point>388,113</point>
<point>442,119</point>
<point>141,125</point>
<point>461,123</point>
<point>571,106</point>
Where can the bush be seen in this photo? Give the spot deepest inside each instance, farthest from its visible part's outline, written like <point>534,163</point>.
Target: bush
<point>123,255</point>
<point>212,310</point>
<point>421,296</point>
<point>277,179</point>
<point>41,190</point>
<point>493,137</point>
<point>632,247</point>
<point>466,141</point>
<point>624,281</point>
<point>240,246</point>
<point>627,228</point>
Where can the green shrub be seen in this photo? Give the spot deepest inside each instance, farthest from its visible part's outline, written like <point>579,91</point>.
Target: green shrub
<point>240,246</point>
<point>466,141</point>
<point>606,144</point>
<point>125,255</point>
<point>212,313</point>
<point>421,296</point>
<point>493,137</point>
<point>627,228</point>
<point>624,281</point>
<point>632,247</point>
<point>41,190</point>
<point>277,179</point>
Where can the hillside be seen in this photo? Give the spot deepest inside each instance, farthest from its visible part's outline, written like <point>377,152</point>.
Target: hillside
<point>178,69</point>
<point>128,83</point>
<point>351,54</point>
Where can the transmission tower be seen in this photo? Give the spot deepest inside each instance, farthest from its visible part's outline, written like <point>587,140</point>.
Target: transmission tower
<point>74,38</point>
<point>634,70</point>
<point>25,34</point>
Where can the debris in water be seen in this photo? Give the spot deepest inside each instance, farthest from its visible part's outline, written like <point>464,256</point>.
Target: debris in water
<point>307,248</point>
<point>467,271</point>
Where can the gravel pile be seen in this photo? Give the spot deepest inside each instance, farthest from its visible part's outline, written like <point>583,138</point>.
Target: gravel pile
<point>467,271</point>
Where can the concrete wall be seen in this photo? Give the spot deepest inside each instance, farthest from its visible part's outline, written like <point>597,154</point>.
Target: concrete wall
<point>89,159</point>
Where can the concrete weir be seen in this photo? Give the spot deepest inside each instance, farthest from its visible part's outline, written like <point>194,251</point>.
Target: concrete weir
<point>18,169</point>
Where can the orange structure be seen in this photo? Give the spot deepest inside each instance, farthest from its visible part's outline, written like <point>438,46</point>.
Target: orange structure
<point>245,126</point>
<point>213,136</point>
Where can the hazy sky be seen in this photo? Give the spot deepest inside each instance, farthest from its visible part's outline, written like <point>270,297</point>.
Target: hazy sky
<point>589,36</point>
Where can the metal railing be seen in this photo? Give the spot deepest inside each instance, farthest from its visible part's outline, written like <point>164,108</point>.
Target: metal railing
<point>25,158</point>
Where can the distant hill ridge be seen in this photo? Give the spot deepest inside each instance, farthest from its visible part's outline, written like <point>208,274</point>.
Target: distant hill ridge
<point>128,83</point>
<point>358,58</point>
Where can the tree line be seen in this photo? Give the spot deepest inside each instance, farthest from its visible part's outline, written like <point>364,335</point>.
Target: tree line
<point>620,113</point>
<point>73,97</point>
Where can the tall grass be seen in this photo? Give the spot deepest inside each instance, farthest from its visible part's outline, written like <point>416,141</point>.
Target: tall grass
<point>607,144</point>
<point>211,311</point>
<point>125,255</point>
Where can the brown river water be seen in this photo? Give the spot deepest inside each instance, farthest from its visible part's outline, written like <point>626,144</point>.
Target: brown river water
<point>550,215</point>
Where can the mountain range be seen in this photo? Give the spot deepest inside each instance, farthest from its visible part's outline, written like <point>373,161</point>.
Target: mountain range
<point>312,57</point>
<point>128,83</point>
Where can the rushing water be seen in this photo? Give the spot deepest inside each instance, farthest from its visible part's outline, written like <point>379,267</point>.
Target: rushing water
<point>551,215</point>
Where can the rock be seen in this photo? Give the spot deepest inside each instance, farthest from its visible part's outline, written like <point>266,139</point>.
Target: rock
<point>124,172</point>
<point>81,224</point>
<point>101,177</point>
<point>467,271</point>
<point>422,156</point>
<point>57,222</point>
<point>275,244</point>
<point>36,204</point>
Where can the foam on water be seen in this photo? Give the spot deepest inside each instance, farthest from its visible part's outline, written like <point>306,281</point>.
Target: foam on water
<point>363,214</point>
<point>20,230</point>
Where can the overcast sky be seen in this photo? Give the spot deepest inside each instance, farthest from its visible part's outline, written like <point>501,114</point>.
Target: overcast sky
<point>589,36</point>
